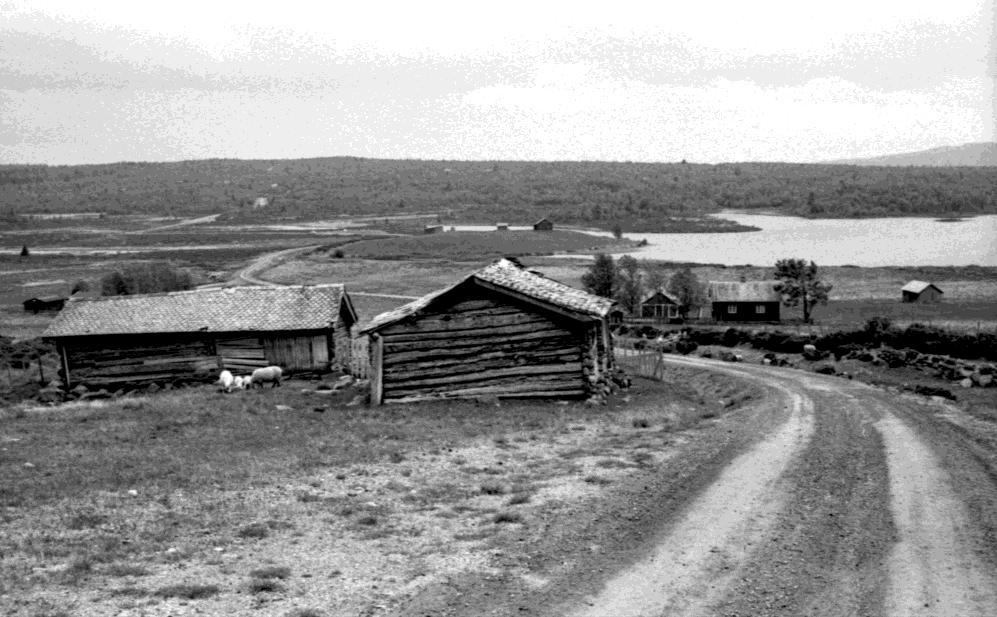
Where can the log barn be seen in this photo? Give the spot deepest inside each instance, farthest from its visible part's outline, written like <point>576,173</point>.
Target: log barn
<point>51,304</point>
<point>502,331</point>
<point>921,291</point>
<point>744,301</point>
<point>192,335</point>
<point>544,224</point>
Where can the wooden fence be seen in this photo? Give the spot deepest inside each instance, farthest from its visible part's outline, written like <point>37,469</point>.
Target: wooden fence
<point>360,357</point>
<point>642,362</point>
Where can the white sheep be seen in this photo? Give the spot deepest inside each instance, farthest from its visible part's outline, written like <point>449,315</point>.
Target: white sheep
<point>225,379</point>
<point>263,375</point>
<point>247,381</point>
<point>238,383</point>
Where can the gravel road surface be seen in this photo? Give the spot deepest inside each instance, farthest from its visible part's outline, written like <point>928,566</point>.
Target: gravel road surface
<point>826,497</point>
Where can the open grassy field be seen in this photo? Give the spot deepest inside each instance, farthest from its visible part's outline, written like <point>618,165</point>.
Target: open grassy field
<point>287,499</point>
<point>465,245</point>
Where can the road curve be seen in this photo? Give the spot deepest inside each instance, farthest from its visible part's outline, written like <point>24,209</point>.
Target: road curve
<point>844,510</point>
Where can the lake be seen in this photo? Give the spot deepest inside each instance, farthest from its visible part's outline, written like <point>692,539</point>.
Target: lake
<point>833,242</point>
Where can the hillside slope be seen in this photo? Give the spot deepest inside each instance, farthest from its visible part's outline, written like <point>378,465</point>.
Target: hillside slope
<point>982,154</point>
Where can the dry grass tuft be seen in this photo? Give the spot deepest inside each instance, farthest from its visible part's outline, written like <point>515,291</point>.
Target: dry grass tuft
<point>254,530</point>
<point>187,591</point>
<point>281,572</point>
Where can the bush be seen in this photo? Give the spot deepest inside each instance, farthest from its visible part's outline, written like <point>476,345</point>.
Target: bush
<point>686,346</point>
<point>152,277</point>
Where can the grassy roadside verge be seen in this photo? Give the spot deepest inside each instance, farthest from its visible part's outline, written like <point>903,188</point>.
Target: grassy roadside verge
<point>235,503</point>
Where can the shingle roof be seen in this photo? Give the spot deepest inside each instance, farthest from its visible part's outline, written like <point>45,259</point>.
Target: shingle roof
<point>226,309</point>
<point>751,291</point>
<point>507,275</point>
<point>919,286</point>
<point>652,294</point>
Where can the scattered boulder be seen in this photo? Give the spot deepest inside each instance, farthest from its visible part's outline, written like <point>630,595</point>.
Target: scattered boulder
<point>824,369</point>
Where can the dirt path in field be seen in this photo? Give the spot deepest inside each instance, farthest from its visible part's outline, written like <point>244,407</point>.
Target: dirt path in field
<point>862,520</point>
<point>267,261</point>
<point>211,218</point>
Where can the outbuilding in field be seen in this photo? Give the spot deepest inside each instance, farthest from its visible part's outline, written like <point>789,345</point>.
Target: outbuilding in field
<point>744,301</point>
<point>191,335</point>
<point>660,307</point>
<point>432,229</point>
<point>502,331</point>
<point>44,304</point>
<point>920,291</point>
<point>501,226</point>
<point>543,224</point>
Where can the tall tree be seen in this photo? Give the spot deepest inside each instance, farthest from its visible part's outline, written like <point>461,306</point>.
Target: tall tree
<point>601,276</point>
<point>685,288</point>
<point>628,284</point>
<point>799,284</point>
<point>655,276</point>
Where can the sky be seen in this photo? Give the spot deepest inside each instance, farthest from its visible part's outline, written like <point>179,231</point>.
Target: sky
<point>708,82</point>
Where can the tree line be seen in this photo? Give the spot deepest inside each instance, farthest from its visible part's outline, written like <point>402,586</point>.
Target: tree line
<point>636,196</point>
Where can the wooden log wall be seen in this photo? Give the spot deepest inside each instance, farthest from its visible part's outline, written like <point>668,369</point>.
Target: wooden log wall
<point>482,347</point>
<point>342,343</point>
<point>138,360</point>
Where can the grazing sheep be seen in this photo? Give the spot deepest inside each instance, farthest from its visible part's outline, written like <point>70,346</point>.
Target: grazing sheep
<point>247,381</point>
<point>270,374</point>
<point>238,383</point>
<point>225,379</point>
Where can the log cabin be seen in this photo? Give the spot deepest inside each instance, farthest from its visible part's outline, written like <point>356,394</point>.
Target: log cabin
<point>744,301</point>
<point>503,331</point>
<point>191,335</point>
<point>48,304</point>
<point>544,224</point>
<point>660,307</point>
<point>920,291</point>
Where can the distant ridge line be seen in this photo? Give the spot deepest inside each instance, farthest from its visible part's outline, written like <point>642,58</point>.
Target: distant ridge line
<point>979,154</point>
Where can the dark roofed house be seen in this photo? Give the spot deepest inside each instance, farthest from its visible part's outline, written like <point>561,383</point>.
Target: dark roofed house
<point>191,335</point>
<point>502,331</point>
<point>45,303</point>
<point>920,291</point>
<point>659,306</point>
<point>543,224</point>
<point>744,301</point>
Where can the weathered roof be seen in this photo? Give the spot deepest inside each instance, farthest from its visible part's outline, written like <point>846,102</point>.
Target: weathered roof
<point>505,274</point>
<point>543,220</point>
<point>654,294</point>
<point>919,286</point>
<point>223,309</point>
<point>47,299</point>
<point>751,291</point>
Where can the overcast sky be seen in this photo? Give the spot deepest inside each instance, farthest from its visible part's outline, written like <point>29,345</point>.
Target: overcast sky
<point>90,82</point>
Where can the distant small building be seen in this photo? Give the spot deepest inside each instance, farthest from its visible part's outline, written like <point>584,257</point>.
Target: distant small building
<point>543,224</point>
<point>744,301</point>
<point>921,291</point>
<point>45,304</point>
<point>261,202</point>
<point>659,306</point>
<point>502,226</point>
<point>432,229</point>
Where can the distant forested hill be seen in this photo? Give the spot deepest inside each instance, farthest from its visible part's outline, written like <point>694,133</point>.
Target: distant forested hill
<point>967,155</point>
<point>645,196</point>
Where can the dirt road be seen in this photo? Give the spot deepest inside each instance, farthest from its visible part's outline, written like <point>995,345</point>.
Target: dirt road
<point>849,500</point>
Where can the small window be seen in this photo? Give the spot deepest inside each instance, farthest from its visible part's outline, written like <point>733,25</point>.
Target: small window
<point>673,311</point>
<point>732,308</point>
<point>760,309</point>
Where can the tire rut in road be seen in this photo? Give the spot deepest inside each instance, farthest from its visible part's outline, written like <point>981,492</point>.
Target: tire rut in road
<point>698,559</point>
<point>827,551</point>
<point>934,566</point>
